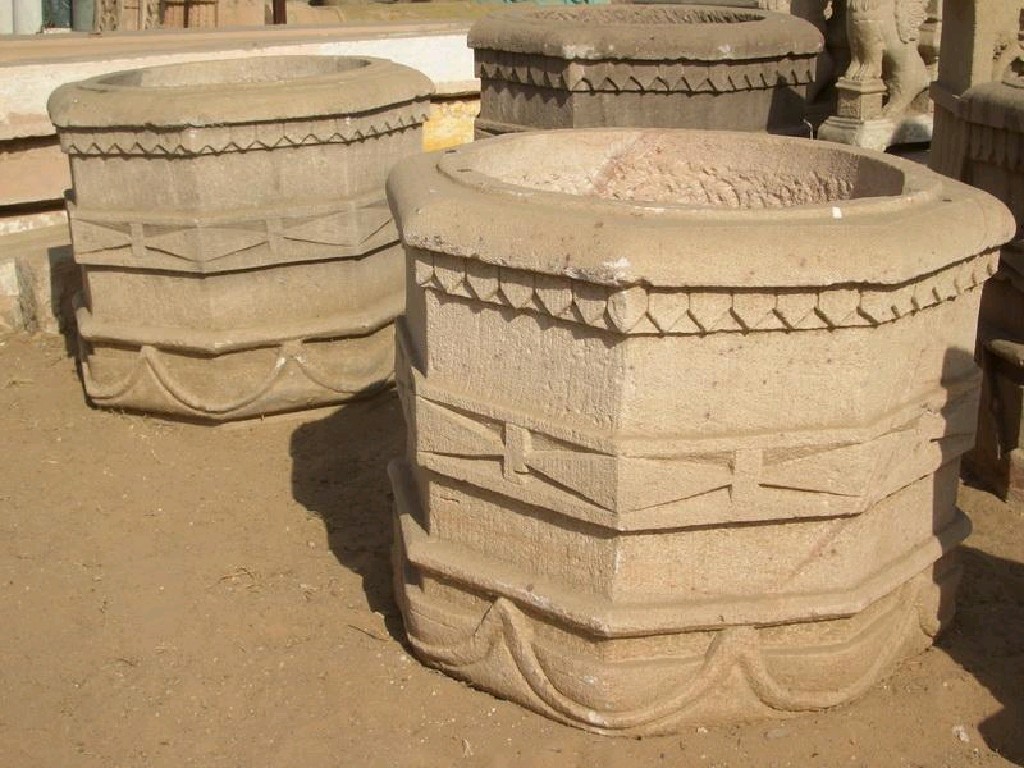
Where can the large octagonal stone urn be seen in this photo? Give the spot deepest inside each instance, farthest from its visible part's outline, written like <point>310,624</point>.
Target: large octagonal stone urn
<point>685,418</point>
<point>238,254</point>
<point>651,66</point>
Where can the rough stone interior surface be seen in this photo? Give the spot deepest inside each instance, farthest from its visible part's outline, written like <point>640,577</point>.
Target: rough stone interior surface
<point>269,69</point>
<point>691,170</point>
<point>634,15</point>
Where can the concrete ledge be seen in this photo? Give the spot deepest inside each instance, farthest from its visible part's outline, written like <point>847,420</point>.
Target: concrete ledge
<point>32,170</point>
<point>30,70</point>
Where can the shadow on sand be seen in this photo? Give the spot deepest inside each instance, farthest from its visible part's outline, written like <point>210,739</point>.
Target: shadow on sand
<point>987,640</point>
<point>339,473</point>
<point>987,634</point>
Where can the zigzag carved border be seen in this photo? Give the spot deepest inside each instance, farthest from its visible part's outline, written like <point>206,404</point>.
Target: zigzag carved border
<point>643,77</point>
<point>212,140</point>
<point>644,310</point>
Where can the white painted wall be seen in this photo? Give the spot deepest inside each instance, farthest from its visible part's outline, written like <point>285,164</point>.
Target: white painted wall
<point>28,17</point>
<point>24,88</point>
<point>6,17</point>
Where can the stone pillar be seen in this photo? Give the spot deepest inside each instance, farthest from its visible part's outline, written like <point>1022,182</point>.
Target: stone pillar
<point>981,36</point>
<point>83,15</point>
<point>685,417</point>
<point>979,139</point>
<point>238,255</point>
<point>644,66</point>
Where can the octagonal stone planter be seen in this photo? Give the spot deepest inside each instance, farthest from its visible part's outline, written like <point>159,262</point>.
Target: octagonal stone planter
<point>685,418</point>
<point>229,217</point>
<point>644,66</point>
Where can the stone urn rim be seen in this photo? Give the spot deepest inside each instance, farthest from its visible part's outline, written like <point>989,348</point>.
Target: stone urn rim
<point>647,32</point>
<point>456,200</point>
<point>235,91</point>
<point>996,104</point>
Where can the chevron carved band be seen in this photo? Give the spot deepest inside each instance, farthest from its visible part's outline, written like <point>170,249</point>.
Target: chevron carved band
<point>643,77</point>
<point>645,310</point>
<point>219,139</point>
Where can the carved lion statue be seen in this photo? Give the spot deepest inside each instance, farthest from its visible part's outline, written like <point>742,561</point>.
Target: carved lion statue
<point>884,37</point>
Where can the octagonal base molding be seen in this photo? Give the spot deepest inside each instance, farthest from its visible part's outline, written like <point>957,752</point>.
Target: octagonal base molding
<point>194,376</point>
<point>624,670</point>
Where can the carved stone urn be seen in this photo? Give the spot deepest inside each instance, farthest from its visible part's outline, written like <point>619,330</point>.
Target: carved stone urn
<point>992,132</point>
<point>644,66</point>
<point>686,412</point>
<point>229,217</point>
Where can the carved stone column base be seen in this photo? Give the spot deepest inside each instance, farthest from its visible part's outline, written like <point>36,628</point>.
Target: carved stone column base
<point>880,133</point>
<point>860,99</point>
<point>871,134</point>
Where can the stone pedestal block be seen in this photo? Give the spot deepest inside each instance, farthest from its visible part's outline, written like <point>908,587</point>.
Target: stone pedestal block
<point>685,418</point>
<point>644,66</point>
<point>238,255</point>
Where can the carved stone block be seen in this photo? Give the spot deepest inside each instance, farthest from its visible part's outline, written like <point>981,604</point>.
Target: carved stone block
<point>644,66</point>
<point>229,217</point>
<point>685,416</point>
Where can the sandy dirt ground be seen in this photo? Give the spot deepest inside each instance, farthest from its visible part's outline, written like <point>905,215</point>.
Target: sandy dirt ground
<point>175,595</point>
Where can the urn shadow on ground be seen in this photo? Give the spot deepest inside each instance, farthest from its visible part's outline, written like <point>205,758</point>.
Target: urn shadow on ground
<point>987,634</point>
<point>339,473</point>
<point>65,283</point>
<point>987,640</point>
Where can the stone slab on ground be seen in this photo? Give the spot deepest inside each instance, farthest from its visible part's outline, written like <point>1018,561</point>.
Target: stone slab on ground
<point>38,279</point>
